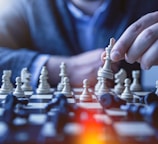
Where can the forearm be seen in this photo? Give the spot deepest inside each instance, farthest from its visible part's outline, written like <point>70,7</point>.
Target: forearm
<point>15,60</point>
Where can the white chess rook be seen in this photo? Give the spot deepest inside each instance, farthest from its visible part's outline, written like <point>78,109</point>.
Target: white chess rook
<point>135,86</point>
<point>127,94</point>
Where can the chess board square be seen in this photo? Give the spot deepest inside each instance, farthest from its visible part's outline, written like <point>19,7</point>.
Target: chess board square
<point>35,106</point>
<point>71,100</point>
<point>133,129</point>
<point>115,112</point>
<point>3,96</point>
<point>46,96</point>
<point>103,118</point>
<point>90,105</point>
<point>37,118</point>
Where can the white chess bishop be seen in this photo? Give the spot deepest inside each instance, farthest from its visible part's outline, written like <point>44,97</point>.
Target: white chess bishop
<point>43,87</point>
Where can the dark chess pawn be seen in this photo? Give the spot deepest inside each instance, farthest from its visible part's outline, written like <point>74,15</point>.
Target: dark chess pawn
<point>111,101</point>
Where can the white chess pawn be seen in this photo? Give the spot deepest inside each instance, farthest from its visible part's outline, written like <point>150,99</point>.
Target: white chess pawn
<point>127,94</point>
<point>135,86</point>
<point>86,96</point>
<point>66,87</point>
<point>18,90</point>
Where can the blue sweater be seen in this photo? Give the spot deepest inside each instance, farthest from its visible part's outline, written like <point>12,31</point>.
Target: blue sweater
<point>32,27</point>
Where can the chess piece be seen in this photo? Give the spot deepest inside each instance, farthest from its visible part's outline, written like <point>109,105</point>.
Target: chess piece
<point>5,88</point>
<point>140,112</point>
<point>98,84</point>
<point>103,87</point>
<point>62,74</point>
<point>18,90</point>
<point>135,86</point>
<point>106,71</point>
<point>111,101</point>
<point>127,94</point>
<point>66,87</point>
<point>43,87</point>
<point>149,98</point>
<point>86,96</point>
<point>26,78</point>
<point>156,92</point>
<point>8,73</point>
<point>120,77</point>
<point>11,111</point>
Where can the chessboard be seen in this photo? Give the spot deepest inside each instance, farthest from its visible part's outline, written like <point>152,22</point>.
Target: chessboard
<point>124,114</point>
<point>42,120</point>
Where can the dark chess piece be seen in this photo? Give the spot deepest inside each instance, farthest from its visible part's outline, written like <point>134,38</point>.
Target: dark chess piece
<point>10,111</point>
<point>58,100</point>
<point>149,98</point>
<point>148,113</point>
<point>111,101</point>
<point>61,116</point>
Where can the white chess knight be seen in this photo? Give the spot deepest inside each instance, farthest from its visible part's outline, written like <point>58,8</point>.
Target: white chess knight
<point>86,96</point>
<point>26,78</point>
<point>66,87</point>
<point>120,77</point>
<point>106,71</point>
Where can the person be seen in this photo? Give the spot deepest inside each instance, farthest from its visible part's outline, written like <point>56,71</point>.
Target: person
<point>139,43</point>
<point>45,32</point>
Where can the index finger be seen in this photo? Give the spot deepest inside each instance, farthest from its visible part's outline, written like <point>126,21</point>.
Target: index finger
<point>130,34</point>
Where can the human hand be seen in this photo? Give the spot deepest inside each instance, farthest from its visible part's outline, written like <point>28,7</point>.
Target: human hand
<point>79,67</point>
<point>139,42</point>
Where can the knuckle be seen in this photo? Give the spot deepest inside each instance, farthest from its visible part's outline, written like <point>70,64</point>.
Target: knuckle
<point>149,34</point>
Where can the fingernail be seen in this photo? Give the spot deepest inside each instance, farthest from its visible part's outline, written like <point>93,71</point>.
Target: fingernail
<point>144,67</point>
<point>115,55</point>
